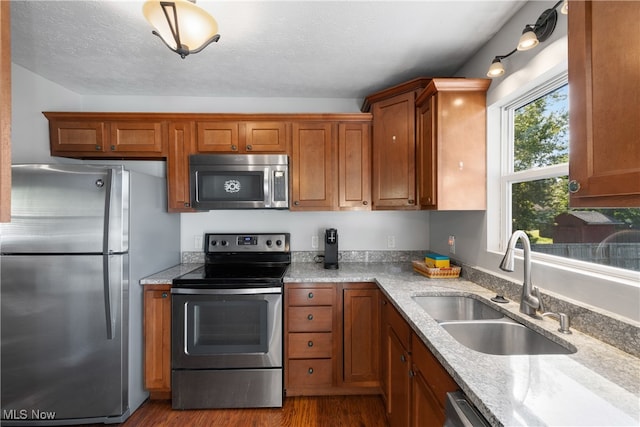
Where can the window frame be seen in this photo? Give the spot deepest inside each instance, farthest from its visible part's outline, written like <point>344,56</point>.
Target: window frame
<point>500,117</point>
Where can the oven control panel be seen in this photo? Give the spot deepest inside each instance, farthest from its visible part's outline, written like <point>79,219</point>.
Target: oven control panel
<point>260,242</point>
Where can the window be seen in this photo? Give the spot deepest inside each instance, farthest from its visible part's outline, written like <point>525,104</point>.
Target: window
<point>535,179</point>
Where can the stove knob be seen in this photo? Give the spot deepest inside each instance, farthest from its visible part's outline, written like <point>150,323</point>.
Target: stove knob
<point>224,243</point>
<point>278,242</point>
<point>214,243</point>
<point>269,243</point>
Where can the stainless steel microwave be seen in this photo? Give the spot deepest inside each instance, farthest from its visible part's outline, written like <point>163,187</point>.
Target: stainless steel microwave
<point>239,181</point>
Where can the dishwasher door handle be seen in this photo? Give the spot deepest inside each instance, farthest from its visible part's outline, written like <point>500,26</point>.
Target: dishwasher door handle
<point>460,412</point>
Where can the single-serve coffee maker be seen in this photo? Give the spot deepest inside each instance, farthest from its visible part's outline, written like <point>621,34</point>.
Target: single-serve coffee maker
<point>331,249</point>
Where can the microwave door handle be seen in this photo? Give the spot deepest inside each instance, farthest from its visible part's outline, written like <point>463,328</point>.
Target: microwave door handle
<point>106,280</point>
<point>268,187</point>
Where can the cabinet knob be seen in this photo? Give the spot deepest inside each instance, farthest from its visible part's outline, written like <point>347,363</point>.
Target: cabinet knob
<point>310,317</point>
<point>310,344</point>
<point>393,138</point>
<point>113,148</point>
<point>164,295</point>
<point>365,203</point>
<point>402,358</point>
<point>98,147</point>
<point>574,186</point>
<point>234,148</point>
<point>249,148</point>
<point>411,201</point>
<point>187,204</point>
<point>296,203</point>
<point>310,295</point>
<point>310,371</point>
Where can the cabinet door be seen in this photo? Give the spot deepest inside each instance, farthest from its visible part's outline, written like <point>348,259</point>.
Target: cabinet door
<point>180,142</point>
<point>427,155</point>
<point>312,179</point>
<point>69,136</point>
<point>394,153</point>
<point>157,340</point>
<point>144,137</point>
<point>354,166</point>
<point>605,92</point>
<point>398,400</point>
<point>425,409</point>
<point>361,317</point>
<point>266,137</point>
<point>218,137</point>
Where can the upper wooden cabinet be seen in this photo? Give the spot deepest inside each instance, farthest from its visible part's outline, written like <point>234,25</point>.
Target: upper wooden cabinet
<point>99,135</point>
<point>604,59</point>
<point>451,147</point>
<point>179,147</point>
<point>242,137</point>
<point>313,184</point>
<point>354,166</point>
<point>394,145</point>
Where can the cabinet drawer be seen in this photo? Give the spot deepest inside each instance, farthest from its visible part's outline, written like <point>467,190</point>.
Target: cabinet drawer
<point>311,296</point>
<point>314,372</point>
<point>310,345</point>
<point>310,319</point>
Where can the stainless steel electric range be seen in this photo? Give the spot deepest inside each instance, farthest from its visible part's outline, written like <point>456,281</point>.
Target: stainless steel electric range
<point>227,349</point>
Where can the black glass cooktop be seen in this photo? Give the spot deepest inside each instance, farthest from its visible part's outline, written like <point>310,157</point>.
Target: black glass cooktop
<point>233,275</point>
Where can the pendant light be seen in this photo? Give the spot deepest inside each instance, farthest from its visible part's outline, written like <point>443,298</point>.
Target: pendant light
<point>183,27</point>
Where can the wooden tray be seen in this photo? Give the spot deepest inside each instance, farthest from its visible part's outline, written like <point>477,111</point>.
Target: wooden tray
<point>451,272</point>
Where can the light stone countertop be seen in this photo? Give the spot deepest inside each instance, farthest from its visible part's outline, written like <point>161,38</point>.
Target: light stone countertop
<point>599,385</point>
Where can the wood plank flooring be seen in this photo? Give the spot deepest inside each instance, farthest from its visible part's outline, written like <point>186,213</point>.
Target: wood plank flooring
<point>332,411</point>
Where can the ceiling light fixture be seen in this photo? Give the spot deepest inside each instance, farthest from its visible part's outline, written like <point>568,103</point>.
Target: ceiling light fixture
<point>532,35</point>
<point>184,27</point>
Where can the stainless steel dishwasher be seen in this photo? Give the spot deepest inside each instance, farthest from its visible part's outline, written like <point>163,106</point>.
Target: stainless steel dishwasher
<point>461,413</point>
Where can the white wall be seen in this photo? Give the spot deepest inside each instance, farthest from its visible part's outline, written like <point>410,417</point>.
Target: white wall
<point>475,232</point>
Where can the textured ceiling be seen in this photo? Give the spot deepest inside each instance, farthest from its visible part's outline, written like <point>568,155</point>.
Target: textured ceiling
<point>319,49</point>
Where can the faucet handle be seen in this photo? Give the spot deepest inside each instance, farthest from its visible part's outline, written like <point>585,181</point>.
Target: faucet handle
<point>563,318</point>
<point>536,290</point>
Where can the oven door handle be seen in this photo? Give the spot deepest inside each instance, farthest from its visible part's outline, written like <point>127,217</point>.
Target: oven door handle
<point>236,291</point>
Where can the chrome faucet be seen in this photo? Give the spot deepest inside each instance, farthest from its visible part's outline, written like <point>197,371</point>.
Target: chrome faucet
<point>529,302</point>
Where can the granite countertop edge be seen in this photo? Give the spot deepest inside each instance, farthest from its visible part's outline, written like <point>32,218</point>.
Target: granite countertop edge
<point>597,385</point>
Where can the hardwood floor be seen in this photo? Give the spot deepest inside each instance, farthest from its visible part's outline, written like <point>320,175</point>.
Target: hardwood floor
<point>334,411</point>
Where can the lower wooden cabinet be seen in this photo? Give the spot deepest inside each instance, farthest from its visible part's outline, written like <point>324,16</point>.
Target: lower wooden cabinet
<point>332,339</point>
<point>157,341</point>
<point>415,384</point>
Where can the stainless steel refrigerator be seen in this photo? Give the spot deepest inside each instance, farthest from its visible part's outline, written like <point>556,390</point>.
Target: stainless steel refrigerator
<point>80,238</point>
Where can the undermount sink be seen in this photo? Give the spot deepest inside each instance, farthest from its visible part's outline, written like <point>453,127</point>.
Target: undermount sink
<point>503,338</point>
<point>443,308</point>
<point>482,328</point>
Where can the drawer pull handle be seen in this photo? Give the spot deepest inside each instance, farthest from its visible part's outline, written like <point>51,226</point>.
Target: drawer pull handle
<point>310,371</point>
<point>310,317</point>
<point>310,344</point>
<point>310,295</point>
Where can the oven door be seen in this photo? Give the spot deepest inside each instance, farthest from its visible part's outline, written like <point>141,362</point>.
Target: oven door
<point>226,328</point>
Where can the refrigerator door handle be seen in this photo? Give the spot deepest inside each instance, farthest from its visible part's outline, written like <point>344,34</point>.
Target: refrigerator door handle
<point>105,252</point>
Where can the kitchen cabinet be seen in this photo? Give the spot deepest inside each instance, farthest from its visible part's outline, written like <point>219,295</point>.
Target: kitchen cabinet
<point>313,164</point>
<point>604,154</point>
<point>157,341</point>
<point>242,137</point>
<point>106,135</point>
<point>332,339</point>
<point>451,144</point>
<point>361,340</point>
<point>354,166</point>
<point>431,383</point>
<point>179,146</point>
<point>415,384</point>
<point>394,145</point>
<point>310,346</point>
<point>5,112</point>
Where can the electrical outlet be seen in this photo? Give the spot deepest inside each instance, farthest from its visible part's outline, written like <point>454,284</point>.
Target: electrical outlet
<point>197,242</point>
<point>314,242</point>
<point>452,244</point>
<point>391,242</point>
